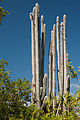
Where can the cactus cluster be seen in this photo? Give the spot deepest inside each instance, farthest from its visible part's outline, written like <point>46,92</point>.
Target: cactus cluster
<point>39,80</point>
<point>58,42</point>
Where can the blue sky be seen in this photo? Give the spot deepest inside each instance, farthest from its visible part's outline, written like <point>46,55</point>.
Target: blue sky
<point>15,33</point>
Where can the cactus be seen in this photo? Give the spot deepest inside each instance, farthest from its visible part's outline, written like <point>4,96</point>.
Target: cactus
<point>53,66</point>
<point>39,80</point>
<point>68,76</point>
<point>43,29</point>
<point>49,68</point>
<point>33,57</point>
<point>37,44</point>
<point>61,58</point>
<point>65,54</point>
<point>58,54</point>
<point>44,86</point>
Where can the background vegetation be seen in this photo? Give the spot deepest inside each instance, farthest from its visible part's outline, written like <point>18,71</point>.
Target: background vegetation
<point>15,95</point>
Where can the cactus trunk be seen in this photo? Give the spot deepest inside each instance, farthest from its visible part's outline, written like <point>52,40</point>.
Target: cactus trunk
<point>53,66</point>
<point>62,58</point>
<point>37,43</point>
<point>58,53</point>
<point>49,81</point>
<point>65,53</point>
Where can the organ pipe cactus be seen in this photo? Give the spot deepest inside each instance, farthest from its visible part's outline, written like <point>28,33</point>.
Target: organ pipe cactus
<point>39,80</point>
<point>38,46</point>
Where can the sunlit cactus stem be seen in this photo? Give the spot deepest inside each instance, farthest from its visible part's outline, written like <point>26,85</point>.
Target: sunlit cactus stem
<point>49,70</point>
<point>37,46</point>
<point>44,86</point>
<point>61,58</point>
<point>68,76</point>
<point>53,66</point>
<point>58,52</point>
<point>33,56</point>
<point>65,54</point>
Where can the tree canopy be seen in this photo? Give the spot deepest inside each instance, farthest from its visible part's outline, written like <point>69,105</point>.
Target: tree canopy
<point>14,94</point>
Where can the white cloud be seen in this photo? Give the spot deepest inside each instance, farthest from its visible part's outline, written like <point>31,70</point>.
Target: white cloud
<point>74,85</point>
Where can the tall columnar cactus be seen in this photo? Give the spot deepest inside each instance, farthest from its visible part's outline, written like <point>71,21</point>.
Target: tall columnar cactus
<point>53,66</point>
<point>49,69</point>
<point>43,29</point>
<point>37,44</point>
<point>65,54</point>
<point>62,57</point>
<point>39,80</point>
<point>58,53</point>
<point>32,17</point>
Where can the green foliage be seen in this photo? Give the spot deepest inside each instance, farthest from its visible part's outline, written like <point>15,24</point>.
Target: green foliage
<point>71,108</point>
<point>3,13</point>
<point>67,107</point>
<point>72,72</point>
<point>14,94</point>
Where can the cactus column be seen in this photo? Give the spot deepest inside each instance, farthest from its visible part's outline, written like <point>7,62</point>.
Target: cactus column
<point>44,86</point>
<point>32,17</point>
<point>62,57</point>
<point>49,68</point>
<point>68,76</point>
<point>39,81</point>
<point>58,54</point>
<point>43,29</point>
<point>37,44</point>
<point>65,53</point>
<point>53,66</point>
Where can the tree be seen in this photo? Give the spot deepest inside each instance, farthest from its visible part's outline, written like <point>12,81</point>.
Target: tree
<point>14,95</point>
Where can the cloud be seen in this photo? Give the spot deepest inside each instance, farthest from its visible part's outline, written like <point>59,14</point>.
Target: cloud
<point>75,85</point>
<point>72,93</point>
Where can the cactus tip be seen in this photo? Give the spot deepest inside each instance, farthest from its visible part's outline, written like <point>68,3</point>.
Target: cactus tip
<point>44,25</point>
<point>30,15</point>
<point>46,75</point>
<point>37,5</point>
<point>64,16</point>
<point>57,17</point>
